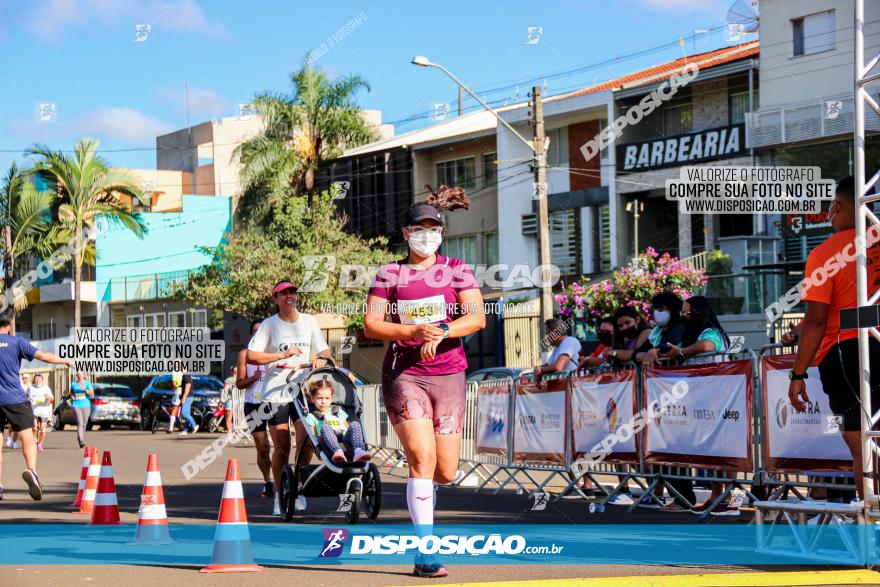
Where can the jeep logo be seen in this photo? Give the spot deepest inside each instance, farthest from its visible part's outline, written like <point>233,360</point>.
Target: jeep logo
<point>731,415</point>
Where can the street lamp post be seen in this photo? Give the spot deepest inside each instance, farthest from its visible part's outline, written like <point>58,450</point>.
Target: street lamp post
<point>636,207</point>
<point>538,147</point>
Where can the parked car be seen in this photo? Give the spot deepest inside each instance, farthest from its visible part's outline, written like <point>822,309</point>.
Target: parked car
<point>113,404</point>
<point>206,393</point>
<point>493,373</point>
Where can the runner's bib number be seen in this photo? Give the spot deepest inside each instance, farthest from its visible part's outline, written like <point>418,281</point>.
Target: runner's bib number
<point>424,311</point>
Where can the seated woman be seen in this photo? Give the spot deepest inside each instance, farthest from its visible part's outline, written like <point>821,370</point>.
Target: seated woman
<point>605,334</point>
<point>331,424</point>
<point>668,327</point>
<point>630,332</point>
<point>703,335</point>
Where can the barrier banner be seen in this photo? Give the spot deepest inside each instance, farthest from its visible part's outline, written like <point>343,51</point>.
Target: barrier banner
<point>540,430</point>
<point>705,422</point>
<point>798,441</point>
<point>493,412</point>
<point>600,405</point>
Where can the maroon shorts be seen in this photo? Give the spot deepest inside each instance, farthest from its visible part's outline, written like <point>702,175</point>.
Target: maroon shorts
<point>439,398</point>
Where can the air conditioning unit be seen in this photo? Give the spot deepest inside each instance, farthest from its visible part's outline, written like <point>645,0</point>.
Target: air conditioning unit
<point>530,224</point>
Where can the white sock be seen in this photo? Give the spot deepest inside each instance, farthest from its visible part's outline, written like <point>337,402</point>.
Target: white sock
<point>171,422</point>
<point>420,500</point>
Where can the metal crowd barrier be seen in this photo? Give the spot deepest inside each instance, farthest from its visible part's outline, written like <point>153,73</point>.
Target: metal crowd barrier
<point>494,454</point>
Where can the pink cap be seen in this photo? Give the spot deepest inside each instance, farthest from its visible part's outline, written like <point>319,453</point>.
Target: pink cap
<point>282,286</point>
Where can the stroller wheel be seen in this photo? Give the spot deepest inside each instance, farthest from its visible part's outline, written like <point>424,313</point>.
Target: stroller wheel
<point>372,492</point>
<point>287,494</point>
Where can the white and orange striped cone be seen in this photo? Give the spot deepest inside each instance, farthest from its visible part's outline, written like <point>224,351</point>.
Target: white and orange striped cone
<point>92,477</point>
<point>87,457</point>
<point>152,526</point>
<point>232,539</point>
<point>106,509</point>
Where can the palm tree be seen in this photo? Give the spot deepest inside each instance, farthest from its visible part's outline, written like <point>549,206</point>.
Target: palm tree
<point>27,226</point>
<point>87,187</point>
<point>312,124</point>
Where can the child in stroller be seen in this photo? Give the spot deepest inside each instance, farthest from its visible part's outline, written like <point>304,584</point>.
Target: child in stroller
<point>330,424</point>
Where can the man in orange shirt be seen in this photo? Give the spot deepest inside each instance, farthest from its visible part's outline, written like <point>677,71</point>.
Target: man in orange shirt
<point>831,269</point>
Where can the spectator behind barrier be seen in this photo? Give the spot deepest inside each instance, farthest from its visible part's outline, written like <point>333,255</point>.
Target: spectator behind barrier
<point>566,349</point>
<point>703,333</point>
<point>630,332</point>
<point>668,329</point>
<point>605,334</point>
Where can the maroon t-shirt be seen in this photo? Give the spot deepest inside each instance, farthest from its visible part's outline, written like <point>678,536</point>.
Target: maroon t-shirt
<point>424,296</point>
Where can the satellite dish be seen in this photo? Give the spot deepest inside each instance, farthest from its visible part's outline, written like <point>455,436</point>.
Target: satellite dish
<point>745,13</point>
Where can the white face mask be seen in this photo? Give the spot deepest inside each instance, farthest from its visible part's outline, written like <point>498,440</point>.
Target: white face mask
<point>425,242</point>
<point>662,317</point>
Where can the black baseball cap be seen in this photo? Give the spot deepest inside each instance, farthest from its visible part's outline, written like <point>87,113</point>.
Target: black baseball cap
<point>419,212</point>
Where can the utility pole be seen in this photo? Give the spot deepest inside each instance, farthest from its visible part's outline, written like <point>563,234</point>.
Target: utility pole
<point>541,195</point>
<point>460,100</point>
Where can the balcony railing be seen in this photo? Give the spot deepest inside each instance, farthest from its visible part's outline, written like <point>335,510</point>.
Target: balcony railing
<point>154,286</point>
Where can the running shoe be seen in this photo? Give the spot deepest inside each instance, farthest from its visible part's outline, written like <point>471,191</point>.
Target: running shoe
<point>8,442</point>
<point>726,510</point>
<point>620,499</point>
<point>183,433</point>
<point>300,503</point>
<point>699,509</point>
<point>33,481</point>
<point>673,507</point>
<point>360,455</point>
<point>268,489</point>
<point>276,507</point>
<point>16,444</point>
<point>40,447</point>
<point>81,443</point>
<point>430,569</point>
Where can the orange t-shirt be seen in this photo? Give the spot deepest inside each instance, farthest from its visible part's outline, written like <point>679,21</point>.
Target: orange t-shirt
<point>838,290</point>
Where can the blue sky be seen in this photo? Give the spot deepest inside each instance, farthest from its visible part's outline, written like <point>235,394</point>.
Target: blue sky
<point>81,56</point>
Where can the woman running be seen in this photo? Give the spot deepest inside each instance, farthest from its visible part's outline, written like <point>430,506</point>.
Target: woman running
<point>82,390</point>
<point>433,302</point>
<point>284,341</point>
<point>43,402</point>
<point>250,378</point>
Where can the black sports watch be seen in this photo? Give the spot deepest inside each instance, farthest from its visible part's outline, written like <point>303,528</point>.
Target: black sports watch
<point>794,377</point>
<point>445,328</point>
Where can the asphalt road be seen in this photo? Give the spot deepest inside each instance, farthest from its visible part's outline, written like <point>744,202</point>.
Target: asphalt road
<point>197,502</point>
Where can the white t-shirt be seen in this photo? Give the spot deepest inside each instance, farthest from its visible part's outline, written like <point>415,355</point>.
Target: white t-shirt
<point>569,346</point>
<point>40,396</point>
<point>275,336</point>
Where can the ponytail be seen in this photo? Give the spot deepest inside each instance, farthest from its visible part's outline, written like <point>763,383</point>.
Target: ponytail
<point>447,198</point>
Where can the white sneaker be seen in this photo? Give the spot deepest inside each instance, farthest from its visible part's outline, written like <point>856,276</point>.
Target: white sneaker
<point>8,442</point>
<point>737,498</point>
<point>183,433</point>
<point>360,455</point>
<point>300,503</point>
<point>16,444</point>
<point>621,499</point>
<point>276,507</point>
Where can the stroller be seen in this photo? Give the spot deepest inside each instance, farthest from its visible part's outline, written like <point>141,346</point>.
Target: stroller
<point>361,480</point>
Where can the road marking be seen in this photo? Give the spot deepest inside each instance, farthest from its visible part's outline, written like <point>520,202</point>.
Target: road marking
<point>782,579</point>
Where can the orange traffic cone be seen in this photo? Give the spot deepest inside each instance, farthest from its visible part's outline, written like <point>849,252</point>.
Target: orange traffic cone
<point>106,509</point>
<point>152,527</point>
<point>92,478</point>
<point>87,457</point>
<point>232,539</point>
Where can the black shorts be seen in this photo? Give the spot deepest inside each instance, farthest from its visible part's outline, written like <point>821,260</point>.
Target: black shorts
<point>280,414</point>
<point>839,371</point>
<point>20,416</point>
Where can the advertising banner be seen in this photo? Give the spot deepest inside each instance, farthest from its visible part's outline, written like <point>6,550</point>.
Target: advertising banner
<point>709,425</point>
<point>600,405</point>
<point>798,441</point>
<point>540,422</point>
<point>493,414</point>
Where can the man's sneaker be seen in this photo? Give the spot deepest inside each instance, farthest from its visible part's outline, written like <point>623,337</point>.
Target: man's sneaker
<point>620,499</point>
<point>183,432</point>
<point>429,567</point>
<point>33,481</point>
<point>300,503</point>
<point>360,455</point>
<point>725,510</point>
<point>276,507</point>
<point>699,509</point>
<point>268,489</point>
